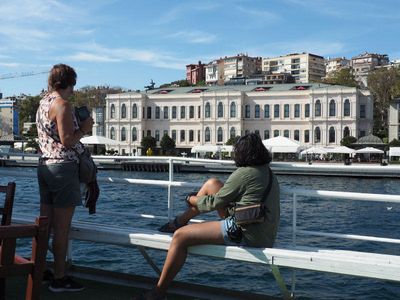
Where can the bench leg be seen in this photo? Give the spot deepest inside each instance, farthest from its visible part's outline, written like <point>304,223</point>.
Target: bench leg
<point>281,282</point>
<point>148,259</point>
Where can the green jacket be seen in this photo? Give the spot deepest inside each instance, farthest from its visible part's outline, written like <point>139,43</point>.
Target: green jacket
<point>246,186</point>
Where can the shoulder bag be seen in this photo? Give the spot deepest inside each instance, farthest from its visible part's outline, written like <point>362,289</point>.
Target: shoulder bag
<point>87,167</point>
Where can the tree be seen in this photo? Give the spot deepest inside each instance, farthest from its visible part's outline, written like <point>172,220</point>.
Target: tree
<point>384,85</point>
<point>167,144</point>
<point>342,77</point>
<point>232,140</point>
<point>348,141</point>
<point>394,143</point>
<point>148,142</point>
<point>27,110</point>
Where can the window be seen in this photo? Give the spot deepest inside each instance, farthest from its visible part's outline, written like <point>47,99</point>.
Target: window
<point>286,110</point>
<point>346,108</point>
<point>123,111</point>
<point>198,135</point>
<point>247,111</point>
<point>297,135</point>
<point>307,111</point>
<point>233,110</point>
<point>207,134</point>
<point>165,132</point>
<point>144,112</point>
<point>306,136</point>
<point>332,108</point>
<point>191,135</point>
<point>297,110</point>
<point>276,133</point>
<point>346,132</point>
<point>183,112</point>
<point>174,135</point>
<point>317,111</point>
<point>191,112</point>
<point>182,135</point>
<point>199,112</point>
<point>331,134</point>
<point>276,111</point>
<point>219,134</point>
<point>112,133</point>
<point>232,132</point>
<point>362,133</point>
<point>134,134</point>
<point>112,111</point>
<point>208,110</point>
<point>148,133</point>
<point>317,135</point>
<point>257,132</point>
<point>257,111</point>
<point>220,110</point>
<point>123,134</point>
<point>134,111</point>
<point>362,111</point>
<point>157,135</point>
<point>173,112</point>
<point>165,112</point>
<point>266,134</point>
<point>157,112</point>
<point>266,111</point>
<point>286,133</point>
<point>149,112</point>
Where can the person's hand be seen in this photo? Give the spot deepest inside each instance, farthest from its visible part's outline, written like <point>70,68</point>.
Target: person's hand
<point>87,125</point>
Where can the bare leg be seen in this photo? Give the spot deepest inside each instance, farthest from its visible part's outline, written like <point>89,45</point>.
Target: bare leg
<point>47,210</point>
<point>190,235</point>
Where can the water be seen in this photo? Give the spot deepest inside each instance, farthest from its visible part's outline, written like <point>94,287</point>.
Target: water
<point>364,218</point>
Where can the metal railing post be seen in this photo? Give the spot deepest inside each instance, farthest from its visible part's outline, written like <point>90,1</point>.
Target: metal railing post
<point>294,224</point>
<point>170,197</point>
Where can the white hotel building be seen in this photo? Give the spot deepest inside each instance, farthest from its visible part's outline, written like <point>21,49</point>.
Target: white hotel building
<point>313,114</point>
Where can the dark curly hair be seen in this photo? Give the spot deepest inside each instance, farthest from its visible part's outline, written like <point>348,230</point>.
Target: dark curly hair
<point>250,151</point>
<point>61,76</point>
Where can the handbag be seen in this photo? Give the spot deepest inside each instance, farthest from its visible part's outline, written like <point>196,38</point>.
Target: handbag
<point>87,167</point>
<point>254,213</point>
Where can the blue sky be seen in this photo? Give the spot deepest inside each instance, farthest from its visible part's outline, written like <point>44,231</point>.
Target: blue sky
<point>127,43</point>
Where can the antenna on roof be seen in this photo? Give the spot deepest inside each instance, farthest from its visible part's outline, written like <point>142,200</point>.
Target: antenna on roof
<point>150,86</point>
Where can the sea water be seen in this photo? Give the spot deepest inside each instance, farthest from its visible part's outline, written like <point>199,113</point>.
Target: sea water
<point>339,216</point>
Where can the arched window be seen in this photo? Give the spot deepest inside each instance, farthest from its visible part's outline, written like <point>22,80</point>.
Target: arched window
<point>286,111</point>
<point>266,134</point>
<point>297,110</point>
<point>232,133</point>
<point>165,112</point>
<point>256,111</point>
<point>317,111</point>
<point>157,113</point>
<point>220,110</point>
<point>207,111</point>
<point>134,134</point>
<point>297,135</point>
<point>112,111</point>
<point>346,132</point>
<point>306,136</point>
<point>276,111</point>
<point>317,135</point>
<point>219,134</point>
<point>112,133</point>
<point>276,132</point>
<point>266,111</point>
<point>123,111</point>
<point>233,110</point>
<point>191,135</point>
<point>123,134</point>
<point>307,110</point>
<point>191,112</point>
<point>134,111</point>
<point>207,134</point>
<point>157,135</point>
<point>331,134</point>
<point>183,137</point>
<point>183,112</point>
<point>286,133</point>
<point>346,108</point>
<point>332,108</point>
<point>173,112</point>
<point>247,111</point>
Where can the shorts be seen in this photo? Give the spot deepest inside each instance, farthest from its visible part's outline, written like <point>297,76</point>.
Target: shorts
<point>59,184</point>
<point>225,224</point>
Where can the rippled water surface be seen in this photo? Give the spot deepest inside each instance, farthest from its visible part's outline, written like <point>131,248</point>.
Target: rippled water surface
<point>365,218</point>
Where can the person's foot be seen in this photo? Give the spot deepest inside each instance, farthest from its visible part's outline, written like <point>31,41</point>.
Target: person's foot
<point>171,227</point>
<point>48,276</point>
<point>65,284</point>
<point>149,295</point>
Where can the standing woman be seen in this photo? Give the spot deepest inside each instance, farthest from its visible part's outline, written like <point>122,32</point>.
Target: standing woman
<point>59,135</point>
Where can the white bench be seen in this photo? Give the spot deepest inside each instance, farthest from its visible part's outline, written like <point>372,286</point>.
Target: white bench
<point>370,265</point>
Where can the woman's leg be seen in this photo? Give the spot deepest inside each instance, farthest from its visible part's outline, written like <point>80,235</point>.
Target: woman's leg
<point>190,235</point>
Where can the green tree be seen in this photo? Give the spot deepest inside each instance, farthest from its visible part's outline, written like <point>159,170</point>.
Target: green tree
<point>27,110</point>
<point>31,136</point>
<point>167,144</point>
<point>348,141</point>
<point>232,140</point>
<point>384,85</point>
<point>394,143</point>
<point>342,77</point>
<point>148,142</point>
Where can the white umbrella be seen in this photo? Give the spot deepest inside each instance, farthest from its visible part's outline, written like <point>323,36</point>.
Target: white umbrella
<point>314,150</point>
<point>98,140</point>
<point>340,149</point>
<point>369,150</point>
<point>281,144</point>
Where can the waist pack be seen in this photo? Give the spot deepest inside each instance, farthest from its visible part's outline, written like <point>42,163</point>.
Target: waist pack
<point>87,167</point>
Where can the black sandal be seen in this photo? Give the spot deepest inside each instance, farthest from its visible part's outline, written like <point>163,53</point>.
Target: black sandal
<point>171,227</point>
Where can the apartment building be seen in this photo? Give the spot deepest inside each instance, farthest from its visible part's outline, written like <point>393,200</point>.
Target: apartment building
<point>9,118</point>
<point>195,73</point>
<point>335,64</point>
<point>365,63</point>
<point>313,114</point>
<point>394,119</point>
<point>304,67</point>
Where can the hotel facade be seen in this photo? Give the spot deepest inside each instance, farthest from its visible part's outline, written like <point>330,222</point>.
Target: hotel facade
<point>313,114</point>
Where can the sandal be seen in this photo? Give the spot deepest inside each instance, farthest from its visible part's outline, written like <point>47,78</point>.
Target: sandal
<point>149,295</point>
<point>171,227</point>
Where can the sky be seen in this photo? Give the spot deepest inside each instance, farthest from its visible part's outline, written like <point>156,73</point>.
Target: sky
<point>124,43</point>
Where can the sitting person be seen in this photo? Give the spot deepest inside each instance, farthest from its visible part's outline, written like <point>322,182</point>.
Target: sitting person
<point>247,185</point>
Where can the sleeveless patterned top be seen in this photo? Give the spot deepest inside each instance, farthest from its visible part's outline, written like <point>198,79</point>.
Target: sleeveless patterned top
<point>53,151</point>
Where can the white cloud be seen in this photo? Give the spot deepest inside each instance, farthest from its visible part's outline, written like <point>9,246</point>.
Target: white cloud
<point>195,37</point>
<point>91,57</point>
<point>260,15</point>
